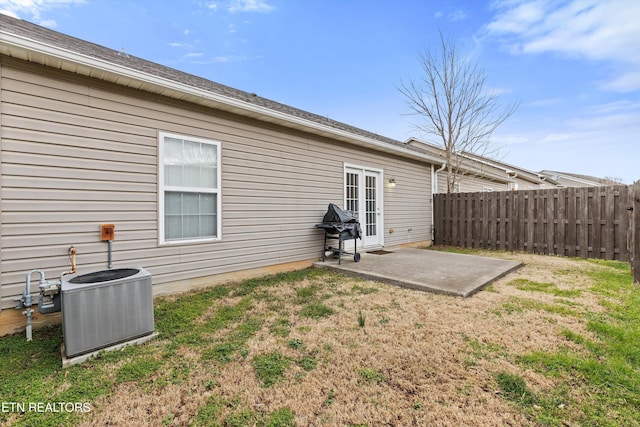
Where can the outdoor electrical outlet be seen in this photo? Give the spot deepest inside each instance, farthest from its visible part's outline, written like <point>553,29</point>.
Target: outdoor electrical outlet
<point>107,231</point>
<point>391,231</point>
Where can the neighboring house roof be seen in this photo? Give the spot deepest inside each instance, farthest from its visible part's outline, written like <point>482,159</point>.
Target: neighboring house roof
<point>572,179</point>
<point>515,171</point>
<point>483,166</point>
<point>33,43</point>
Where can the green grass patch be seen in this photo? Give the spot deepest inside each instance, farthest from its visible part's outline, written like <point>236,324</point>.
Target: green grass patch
<point>548,288</point>
<point>316,311</point>
<point>308,363</point>
<point>544,409</point>
<point>362,319</point>
<point>307,294</point>
<point>233,342</point>
<point>516,306</point>
<point>219,411</point>
<point>138,369</point>
<point>211,413</point>
<point>296,344</point>
<point>369,376</point>
<point>31,372</point>
<point>270,368</point>
<point>514,388</point>
<point>174,316</point>
<point>607,374</point>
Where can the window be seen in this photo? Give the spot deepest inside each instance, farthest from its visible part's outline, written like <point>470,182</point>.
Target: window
<point>189,189</point>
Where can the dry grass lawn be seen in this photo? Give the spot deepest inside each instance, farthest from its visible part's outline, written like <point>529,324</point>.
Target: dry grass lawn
<point>382,356</point>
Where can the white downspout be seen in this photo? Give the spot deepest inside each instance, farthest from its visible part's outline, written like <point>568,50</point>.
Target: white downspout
<point>512,178</point>
<point>444,165</point>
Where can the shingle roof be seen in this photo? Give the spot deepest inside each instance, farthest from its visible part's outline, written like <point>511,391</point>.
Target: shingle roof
<point>44,35</point>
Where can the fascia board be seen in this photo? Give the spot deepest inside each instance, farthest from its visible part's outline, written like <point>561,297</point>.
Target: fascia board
<point>9,42</point>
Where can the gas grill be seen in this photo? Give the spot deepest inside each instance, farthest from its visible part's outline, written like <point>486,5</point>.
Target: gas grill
<point>340,225</point>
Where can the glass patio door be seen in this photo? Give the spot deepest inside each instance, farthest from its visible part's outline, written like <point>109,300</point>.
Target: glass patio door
<point>363,195</point>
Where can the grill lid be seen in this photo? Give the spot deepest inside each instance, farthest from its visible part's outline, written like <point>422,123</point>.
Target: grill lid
<point>335,214</point>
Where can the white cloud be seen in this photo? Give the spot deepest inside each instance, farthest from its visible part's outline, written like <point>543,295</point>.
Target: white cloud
<point>615,106</point>
<point>260,6</point>
<point>35,8</point>
<point>556,137</point>
<point>595,30</point>
<point>458,15</point>
<point>625,82</point>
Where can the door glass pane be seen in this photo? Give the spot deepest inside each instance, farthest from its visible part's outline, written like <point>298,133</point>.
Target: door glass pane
<point>371,203</point>
<point>352,192</point>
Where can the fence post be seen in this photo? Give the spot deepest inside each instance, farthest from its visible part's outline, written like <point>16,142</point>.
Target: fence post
<point>634,228</point>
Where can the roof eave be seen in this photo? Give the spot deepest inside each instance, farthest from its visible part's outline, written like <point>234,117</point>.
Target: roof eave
<point>49,55</point>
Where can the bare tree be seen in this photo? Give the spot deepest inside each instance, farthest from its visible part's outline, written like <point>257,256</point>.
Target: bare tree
<point>455,106</point>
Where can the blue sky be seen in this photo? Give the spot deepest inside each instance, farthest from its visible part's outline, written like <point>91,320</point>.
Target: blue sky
<point>573,65</point>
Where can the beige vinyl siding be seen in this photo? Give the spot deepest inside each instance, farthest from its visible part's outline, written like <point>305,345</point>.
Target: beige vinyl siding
<point>77,153</point>
<point>471,184</point>
<point>407,205</point>
<point>524,184</point>
<point>1,192</point>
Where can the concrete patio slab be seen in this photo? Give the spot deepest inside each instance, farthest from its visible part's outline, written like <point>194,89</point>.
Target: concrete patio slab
<point>426,270</point>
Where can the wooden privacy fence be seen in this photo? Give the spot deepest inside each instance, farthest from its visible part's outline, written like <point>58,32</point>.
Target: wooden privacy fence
<point>587,222</point>
<point>634,230</point>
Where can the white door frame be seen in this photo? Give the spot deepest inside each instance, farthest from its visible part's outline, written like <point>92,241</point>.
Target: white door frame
<point>362,172</point>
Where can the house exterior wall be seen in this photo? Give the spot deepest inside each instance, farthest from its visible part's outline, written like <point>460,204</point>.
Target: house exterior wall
<point>77,153</point>
<point>566,181</point>
<point>470,184</point>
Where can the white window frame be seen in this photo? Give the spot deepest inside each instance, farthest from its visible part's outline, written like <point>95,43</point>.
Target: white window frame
<point>162,189</point>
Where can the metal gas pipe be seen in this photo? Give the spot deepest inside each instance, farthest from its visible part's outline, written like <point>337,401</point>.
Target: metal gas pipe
<point>25,301</point>
<point>49,300</point>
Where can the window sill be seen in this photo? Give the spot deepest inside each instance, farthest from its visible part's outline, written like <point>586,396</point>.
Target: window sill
<point>189,241</point>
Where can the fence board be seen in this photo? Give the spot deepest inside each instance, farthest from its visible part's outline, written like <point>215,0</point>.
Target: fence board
<point>634,227</point>
<point>584,222</point>
<point>609,223</point>
<point>596,201</point>
<point>571,200</point>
